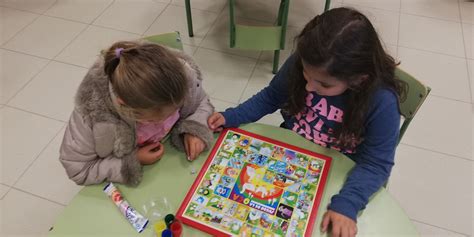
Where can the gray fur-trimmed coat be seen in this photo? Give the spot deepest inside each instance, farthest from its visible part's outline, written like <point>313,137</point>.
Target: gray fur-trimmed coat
<point>99,145</point>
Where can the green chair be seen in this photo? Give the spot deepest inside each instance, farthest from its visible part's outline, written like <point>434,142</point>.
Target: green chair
<point>172,40</point>
<point>256,37</point>
<point>416,95</point>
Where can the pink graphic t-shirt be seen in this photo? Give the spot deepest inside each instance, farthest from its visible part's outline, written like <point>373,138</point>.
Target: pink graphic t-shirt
<point>321,116</point>
<point>148,133</point>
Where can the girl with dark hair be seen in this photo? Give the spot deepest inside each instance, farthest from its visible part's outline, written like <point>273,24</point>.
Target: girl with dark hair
<point>338,90</point>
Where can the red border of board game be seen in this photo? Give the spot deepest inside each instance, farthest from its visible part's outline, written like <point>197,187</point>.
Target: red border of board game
<point>197,181</point>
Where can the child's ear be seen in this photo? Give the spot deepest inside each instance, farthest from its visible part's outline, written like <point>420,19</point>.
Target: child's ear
<point>359,80</point>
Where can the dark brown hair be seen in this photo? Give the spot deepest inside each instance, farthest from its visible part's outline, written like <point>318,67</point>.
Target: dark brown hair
<point>346,45</point>
<point>145,76</point>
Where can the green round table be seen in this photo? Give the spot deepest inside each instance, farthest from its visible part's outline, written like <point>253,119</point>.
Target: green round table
<point>91,213</point>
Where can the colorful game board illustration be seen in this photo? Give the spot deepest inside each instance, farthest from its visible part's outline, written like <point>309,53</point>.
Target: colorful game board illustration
<point>255,186</point>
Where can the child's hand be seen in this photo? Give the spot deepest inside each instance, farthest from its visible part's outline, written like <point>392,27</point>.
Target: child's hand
<point>150,154</point>
<point>341,226</point>
<point>193,145</point>
<point>216,121</point>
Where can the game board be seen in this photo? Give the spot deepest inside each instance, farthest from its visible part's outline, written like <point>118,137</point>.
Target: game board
<point>256,186</point>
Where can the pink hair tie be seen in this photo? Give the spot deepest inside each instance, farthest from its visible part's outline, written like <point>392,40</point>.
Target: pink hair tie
<point>118,51</point>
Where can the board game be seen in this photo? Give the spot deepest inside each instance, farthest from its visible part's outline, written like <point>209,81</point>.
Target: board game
<point>252,185</point>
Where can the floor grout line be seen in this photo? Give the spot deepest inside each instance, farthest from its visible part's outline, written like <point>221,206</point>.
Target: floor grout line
<point>448,98</point>
<point>23,28</point>
<point>248,80</point>
<point>406,13</point>
<point>154,20</point>
<point>100,14</point>
<point>52,4</point>
<point>429,51</point>
<point>210,28</point>
<point>37,156</point>
<point>399,27</point>
<point>34,113</point>
<point>440,227</point>
<point>26,84</point>
<point>439,152</point>
<point>465,53</point>
<point>177,5</point>
<point>38,196</point>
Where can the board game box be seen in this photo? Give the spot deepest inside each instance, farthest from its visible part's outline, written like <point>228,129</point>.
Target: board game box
<point>252,185</point>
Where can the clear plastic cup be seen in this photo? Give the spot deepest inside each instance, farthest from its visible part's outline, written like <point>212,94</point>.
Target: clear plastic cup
<point>156,208</point>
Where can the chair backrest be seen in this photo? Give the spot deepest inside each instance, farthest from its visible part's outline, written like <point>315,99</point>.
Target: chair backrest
<point>172,40</point>
<point>416,95</point>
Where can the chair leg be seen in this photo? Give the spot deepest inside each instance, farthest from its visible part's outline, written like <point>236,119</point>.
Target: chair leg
<point>276,60</point>
<point>327,5</point>
<point>283,22</point>
<point>189,18</point>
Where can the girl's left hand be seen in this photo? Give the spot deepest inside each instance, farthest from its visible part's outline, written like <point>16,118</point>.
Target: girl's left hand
<point>341,226</point>
<point>193,145</point>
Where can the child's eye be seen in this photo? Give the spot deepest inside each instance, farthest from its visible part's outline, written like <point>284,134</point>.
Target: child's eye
<point>323,84</point>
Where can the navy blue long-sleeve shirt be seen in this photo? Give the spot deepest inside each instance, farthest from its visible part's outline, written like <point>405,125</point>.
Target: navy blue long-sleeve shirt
<point>374,156</point>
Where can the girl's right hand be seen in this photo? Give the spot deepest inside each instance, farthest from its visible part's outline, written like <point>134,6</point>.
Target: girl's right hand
<point>151,153</point>
<point>216,121</point>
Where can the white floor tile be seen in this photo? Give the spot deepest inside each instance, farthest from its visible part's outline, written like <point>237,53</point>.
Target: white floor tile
<point>260,10</point>
<point>260,78</point>
<point>27,215</point>
<point>45,37</point>
<point>385,22</point>
<point>468,32</point>
<point>225,76</point>
<point>393,51</point>
<point>12,21</point>
<point>221,106</point>
<point>423,181</point>
<point>3,190</point>
<point>85,49</point>
<point>439,121</point>
<point>206,5</point>
<point>290,45</point>
<point>36,6</point>
<point>17,69</point>
<point>446,75</point>
<point>441,9</point>
<point>78,10</point>
<point>218,37</point>
<point>302,11</point>
<point>430,37</point>
<point>51,92</point>
<point>174,19</point>
<point>130,15</point>
<point>393,5</point>
<point>48,170</point>
<point>189,49</point>
<point>432,231</point>
<point>27,135</point>
<point>470,64</point>
<point>467,11</point>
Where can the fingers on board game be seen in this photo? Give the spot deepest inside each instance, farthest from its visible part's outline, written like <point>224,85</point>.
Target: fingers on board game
<point>256,186</point>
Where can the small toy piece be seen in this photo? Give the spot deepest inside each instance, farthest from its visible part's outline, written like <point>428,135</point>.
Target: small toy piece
<point>159,227</point>
<point>166,233</point>
<point>169,219</point>
<point>193,170</point>
<point>176,228</point>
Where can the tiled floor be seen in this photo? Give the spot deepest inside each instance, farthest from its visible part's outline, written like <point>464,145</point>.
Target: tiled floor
<point>47,45</point>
